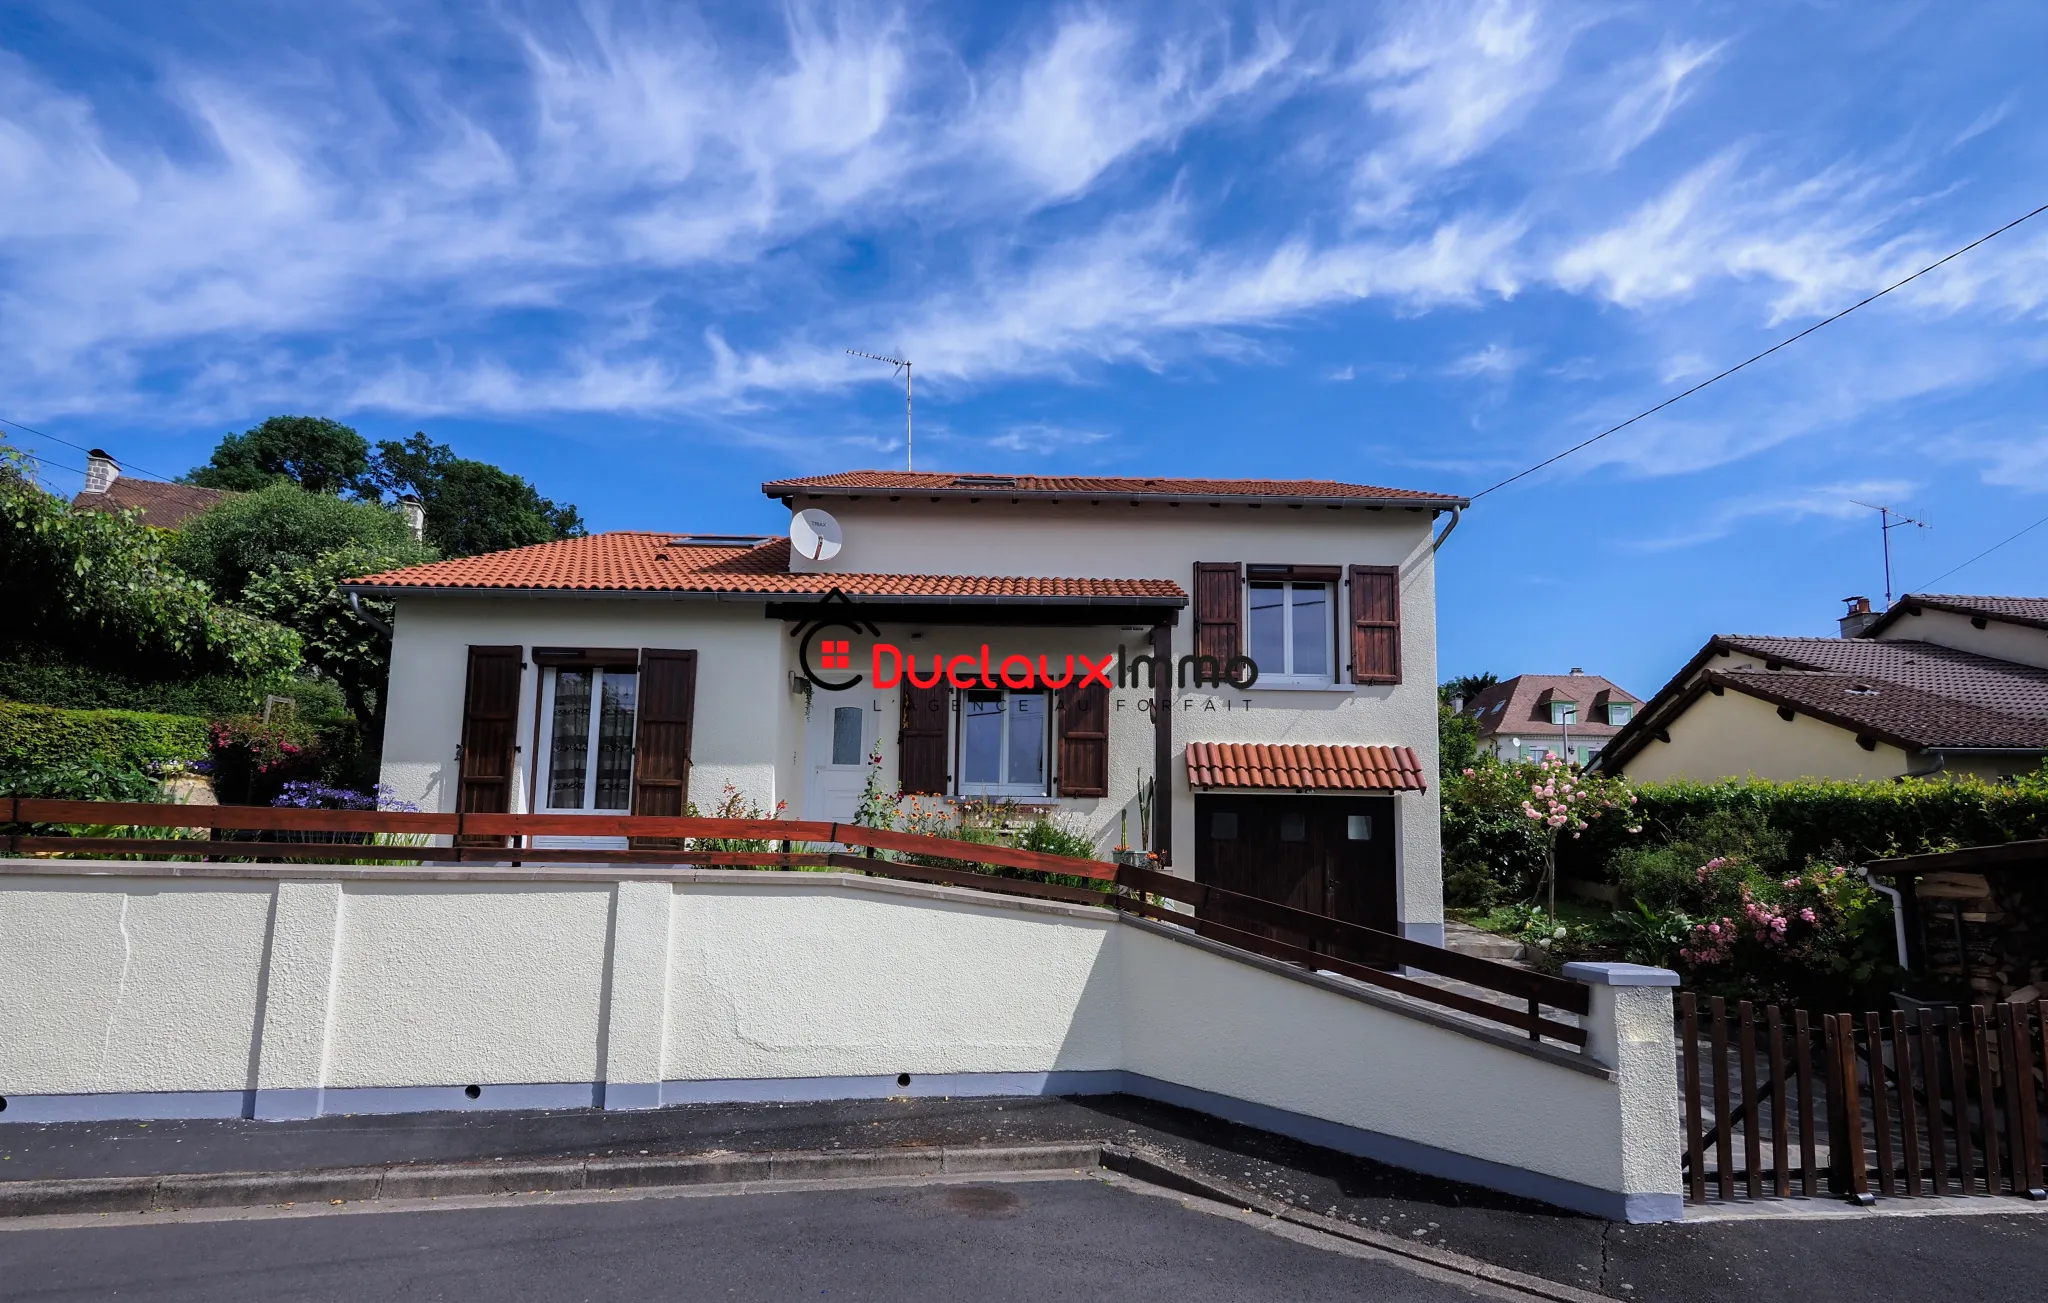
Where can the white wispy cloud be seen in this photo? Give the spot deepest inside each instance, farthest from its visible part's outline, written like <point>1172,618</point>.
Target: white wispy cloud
<point>1496,361</point>
<point>1837,501</point>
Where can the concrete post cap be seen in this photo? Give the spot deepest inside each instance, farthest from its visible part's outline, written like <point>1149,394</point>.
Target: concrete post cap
<point>1621,975</point>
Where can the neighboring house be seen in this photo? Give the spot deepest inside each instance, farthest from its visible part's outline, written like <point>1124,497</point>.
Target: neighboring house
<point>1536,716</point>
<point>166,506</point>
<point>1938,684</point>
<point>640,671</point>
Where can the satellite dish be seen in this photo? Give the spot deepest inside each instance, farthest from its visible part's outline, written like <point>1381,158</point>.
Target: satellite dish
<point>815,534</point>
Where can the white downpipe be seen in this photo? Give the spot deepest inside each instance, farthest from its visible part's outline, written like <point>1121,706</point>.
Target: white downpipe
<point>1898,910</point>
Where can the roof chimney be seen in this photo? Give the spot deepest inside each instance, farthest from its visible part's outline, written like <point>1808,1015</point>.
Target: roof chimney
<point>415,513</point>
<point>1858,617</point>
<point>100,471</point>
<point>1577,670</point>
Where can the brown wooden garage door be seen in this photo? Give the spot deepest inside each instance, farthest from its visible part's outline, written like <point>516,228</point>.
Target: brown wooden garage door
<point>1330,855</point>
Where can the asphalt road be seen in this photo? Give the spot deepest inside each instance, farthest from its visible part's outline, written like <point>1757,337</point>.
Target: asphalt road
<point>1060,1239</point>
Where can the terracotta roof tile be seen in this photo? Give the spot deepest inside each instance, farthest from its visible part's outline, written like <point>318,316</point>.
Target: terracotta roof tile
<point>1944,672</point>
<point>1296,768</point>
<point>2029,611</point>
<point>946,483</point>
<point>637,561</point>
<point>166,506</point>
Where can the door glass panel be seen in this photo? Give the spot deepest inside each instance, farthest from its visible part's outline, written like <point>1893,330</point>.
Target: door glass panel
<point>1269,635</point>
<point>1293,827</point>
<point>618,694</point>
<point>1027,740</point>
<point>1311,629</point>
<point>1223,825</point>
<point>981,738</point>
<point>1358,827</point>
<point>846,735</point>
<point>568,756</point>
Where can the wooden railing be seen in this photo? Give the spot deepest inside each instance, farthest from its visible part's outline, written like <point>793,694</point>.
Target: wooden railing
<point>1312,941</point>
<point>1946,1101</point>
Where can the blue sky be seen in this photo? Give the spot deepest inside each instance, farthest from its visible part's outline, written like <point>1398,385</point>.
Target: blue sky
<point>621,250</point>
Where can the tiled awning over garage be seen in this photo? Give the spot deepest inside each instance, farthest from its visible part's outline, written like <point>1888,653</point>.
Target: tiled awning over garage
<point>1284,768</point>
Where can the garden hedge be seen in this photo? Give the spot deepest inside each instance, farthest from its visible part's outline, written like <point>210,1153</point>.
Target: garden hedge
<point>44,737</point>
<point>1851,822</point>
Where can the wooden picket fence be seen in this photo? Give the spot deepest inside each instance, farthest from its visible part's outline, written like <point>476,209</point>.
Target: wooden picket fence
<point>1942,1102</point>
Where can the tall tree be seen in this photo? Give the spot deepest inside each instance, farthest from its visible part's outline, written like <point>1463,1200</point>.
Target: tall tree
<point>1465,687</point>
<point>472,506</point>
<point>318,455</point>
<point>284,526</point>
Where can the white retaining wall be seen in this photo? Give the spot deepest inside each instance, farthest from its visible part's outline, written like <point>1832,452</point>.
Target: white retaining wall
<point>131,990</point>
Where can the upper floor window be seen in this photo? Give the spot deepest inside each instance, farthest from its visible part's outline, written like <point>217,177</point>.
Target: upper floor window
<point>1293,637</point>
<point>1564,712</point>
<point>587,737</point>
<point>1005,743</point>
<point>1620,712</point>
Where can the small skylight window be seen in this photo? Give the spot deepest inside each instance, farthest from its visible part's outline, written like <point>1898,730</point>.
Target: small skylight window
<point>1861,690</point>
<point>985,481</point>
<point>718,540</point>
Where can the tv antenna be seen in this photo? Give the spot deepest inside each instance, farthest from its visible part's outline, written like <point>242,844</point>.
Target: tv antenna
<point>903,365</point>
<point>1889,519</point>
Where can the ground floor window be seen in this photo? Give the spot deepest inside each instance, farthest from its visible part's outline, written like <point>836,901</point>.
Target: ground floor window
<point>587,738</point>
<point>1005,743</point>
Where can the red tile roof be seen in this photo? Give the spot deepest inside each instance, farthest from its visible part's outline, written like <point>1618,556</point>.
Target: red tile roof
<point>948,484</point>
<point>1305,768</point>
<point>1522,703</point>
<point>641,562</point>
<point>166,506</point>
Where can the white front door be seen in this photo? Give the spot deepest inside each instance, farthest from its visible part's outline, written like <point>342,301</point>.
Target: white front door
<point>837,738</point>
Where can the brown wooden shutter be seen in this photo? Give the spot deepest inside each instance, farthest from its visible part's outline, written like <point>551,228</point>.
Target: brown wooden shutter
<point>1375,624</point>
<point>921,740</point>
<point>490,727</point>
<point>661,738</point>
<point>1084,740</point>
<point>1219,610</point>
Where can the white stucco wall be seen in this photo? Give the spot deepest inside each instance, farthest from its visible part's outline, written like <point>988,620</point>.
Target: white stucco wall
<point>375,991</point>
<point>1738,736</point>
<point>742,690</point>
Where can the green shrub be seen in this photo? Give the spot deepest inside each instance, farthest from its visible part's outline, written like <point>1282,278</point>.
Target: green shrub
<point>1048,837</point>
<point>1846,822</point>
<point>283,526</point>
<point>45,681</point>
<point>36,738</point>
<point>90,778</point>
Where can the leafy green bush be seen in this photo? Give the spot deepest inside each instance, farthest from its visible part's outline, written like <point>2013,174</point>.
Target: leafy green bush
<point>101,589</point>
<point>307,599</point>
<point>1049,837</point>
<point>90,778</point>
<point>46,738</point>
<point>285,527</point>
<point>44,681</point>
<point>1847,822</point>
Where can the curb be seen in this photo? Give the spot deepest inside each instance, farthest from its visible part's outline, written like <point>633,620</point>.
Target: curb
<point>135,1194</point>
<point>1156,1169</point>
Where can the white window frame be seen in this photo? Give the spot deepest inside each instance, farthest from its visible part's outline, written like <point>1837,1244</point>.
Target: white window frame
<point>544,745</point>
<point>1558,709</point>
<point>1284,677</point>
<point>1037,791</point>
<point>1626,709</point>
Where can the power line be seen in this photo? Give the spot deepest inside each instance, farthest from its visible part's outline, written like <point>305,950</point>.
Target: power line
<point>81,447</point>
<point>1586,443</point>
<point>1981,555</point>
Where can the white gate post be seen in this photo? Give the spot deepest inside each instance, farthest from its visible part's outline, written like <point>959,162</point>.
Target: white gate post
<point>1629,1031</point>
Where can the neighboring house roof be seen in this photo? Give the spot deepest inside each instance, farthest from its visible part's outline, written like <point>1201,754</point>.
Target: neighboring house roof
<point>2029,611</point>
<point>634,561</point>
<point>1917,695</point>
<point>1305,768</point>
<point>942,484</point>
<point>1522,704</point>
<point>166,506</point>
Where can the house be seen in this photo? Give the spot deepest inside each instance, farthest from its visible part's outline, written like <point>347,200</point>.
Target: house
<point>1937,684</point>
<point>1237,675</point>
<point>1537,716</point>
<point>166,506</point>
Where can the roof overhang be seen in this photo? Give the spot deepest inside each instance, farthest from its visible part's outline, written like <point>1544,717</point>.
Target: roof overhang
<point>788,493</point>
<point>978,609</point>
<point>1303,768</point>
<point>1914,605</point>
